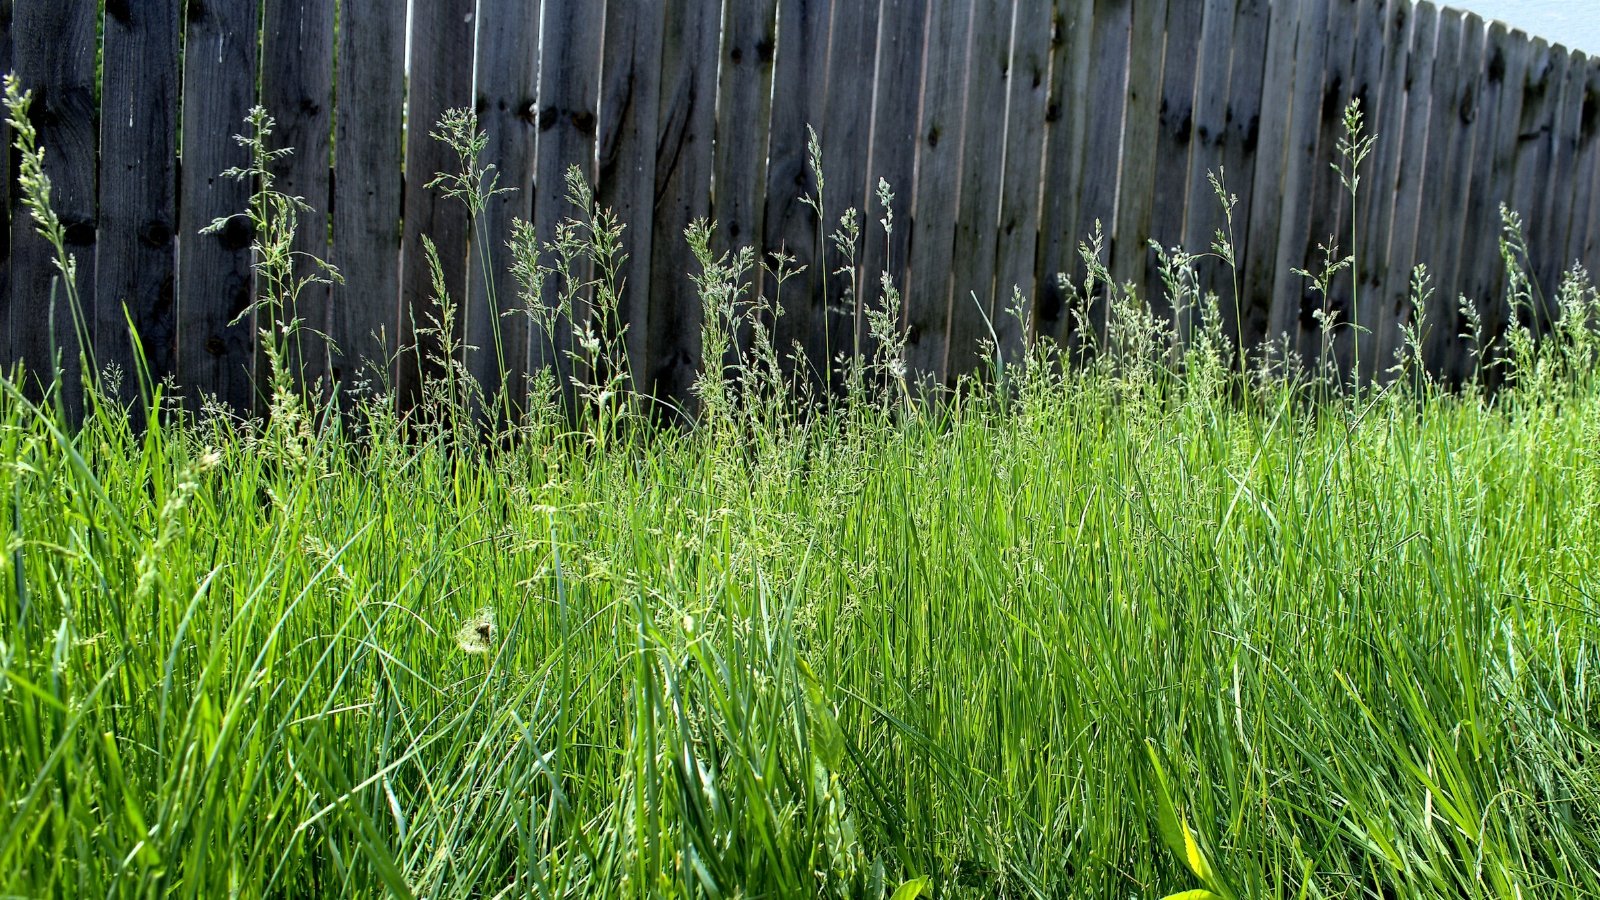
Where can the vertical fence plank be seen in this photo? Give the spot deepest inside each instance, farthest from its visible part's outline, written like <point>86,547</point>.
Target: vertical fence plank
<point>569,84</point>
<point>506,96</point>
<point>1509,56</point>
<point>1102,147</point>
<point>938,182</point>
<point>1066,130</point>
<point>216,352</point>
<point>789,225</point>
<point>1325,197</point>
<point>846,131</point>
<point>1140,130</point>
<point>1290,301</point>
<point>1478,249</point>
<point>1241,142</point>
<point>744,116</point>
<point>7,9</point>
<point>1539,89</point>
<point>442,34</point>
<point>630,103</point>
<point>135,262</point>
<point>1026,108</point>
<point>1461,98</point>
<point>1437,158</point>
<point>897,87</point>
<point>972,306</point>
<point>53,49</point>
<point>1550,238</point>
<point>1383,173</point>
<point>1366,87</point>
<point>1580,241</point>
<point>1408,187</point>
<point>367,189</point>
<point>1181,79</point>
<point>682,191</point>
<point>1270,159</point>
<point>1202,214</point>
<point>297,90</point>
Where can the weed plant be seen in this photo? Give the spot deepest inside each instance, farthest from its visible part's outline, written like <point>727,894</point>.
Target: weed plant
<point>1130,621</point>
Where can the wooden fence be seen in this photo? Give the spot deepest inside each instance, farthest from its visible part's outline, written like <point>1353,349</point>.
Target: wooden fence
<point>1006,129</point>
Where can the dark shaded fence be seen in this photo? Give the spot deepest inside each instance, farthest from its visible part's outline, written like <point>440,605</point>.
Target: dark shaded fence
<point>1006,128</point>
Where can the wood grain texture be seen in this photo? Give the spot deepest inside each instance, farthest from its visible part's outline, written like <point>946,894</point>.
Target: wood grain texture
<point>7,10</point>
<point>846,131</point>
<point>744,103</point>
<point>1182,78</point>
<point>1408,188</point>
<point>789,226</point>
<point>1066,131</point>
<point>53,51</point>
<point>682,192</point>
<point>1271,194</point>
<point>1366,87</point>
<point>1508,58</point>
<point>1555,222</point>
<point>569,87</point>
<point>1203,214</point>
<point>1292,304</point>
<point>630,104</point>
<point>297,90</point>
<point>1586,180</point>
<point>136,260</point>
<point>972,300</point>
<point>1102,147</point>
<point>1252,32</point>
<point>897,89</point>
<point>1459,122</point>
<point>938,188</point>
<point>216,348</point>
<point>1141,129</point>
<point>367,191</point>
<point>1026,109</point>
<point>1324,202</point>
<point>1534,156</point>
<point>1378,185</point>
<point>442,36</point>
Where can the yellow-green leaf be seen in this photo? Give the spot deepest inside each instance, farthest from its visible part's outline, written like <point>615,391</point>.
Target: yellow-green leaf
<point>1196,894</point>
<point>1197,860</point>
<point>916,887</point>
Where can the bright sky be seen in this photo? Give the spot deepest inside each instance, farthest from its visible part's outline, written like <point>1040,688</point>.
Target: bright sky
<point>1575,23</point>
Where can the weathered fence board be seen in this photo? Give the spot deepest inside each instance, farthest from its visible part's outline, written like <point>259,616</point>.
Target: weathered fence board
<point>135,263</point>
<point>1140,129</point>
<point>216,332</point>
<point>367,189</point>
<point>1181,78</point>
<point>1272,155</point>
<point>682,190</point>
<point>1026,109</point>
<point>1292,302</point>
<point>1066,128</point>
<point>630,105</point>
<point>972,308</point>
<point>1203,213</point>
<point>846,132</point>
<point>297,83</point>
<point>6,11</point>
<point>1534,151</point>
<point>1447,223</point>
<point>1102,146</point>
<point>569,85</point>
<point>938,186</point>
<point>790,227</point>
<point>902,28</point>
<point>506,95</point>
<point>1580,243</point>
<point>1383,173</point>
<point>442,33</point>
<point>1550,234</point>
<point>53,49</point>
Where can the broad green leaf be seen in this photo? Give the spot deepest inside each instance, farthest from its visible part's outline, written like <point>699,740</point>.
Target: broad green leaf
<point>1196,859</point>
<point>1196,894</point>
<point>916,887</point>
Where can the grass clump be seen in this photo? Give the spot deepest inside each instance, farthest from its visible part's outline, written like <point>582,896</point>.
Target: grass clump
<point>1142,625</point>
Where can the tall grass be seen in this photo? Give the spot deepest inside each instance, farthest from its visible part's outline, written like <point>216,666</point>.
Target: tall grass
<point>1134,626</point>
